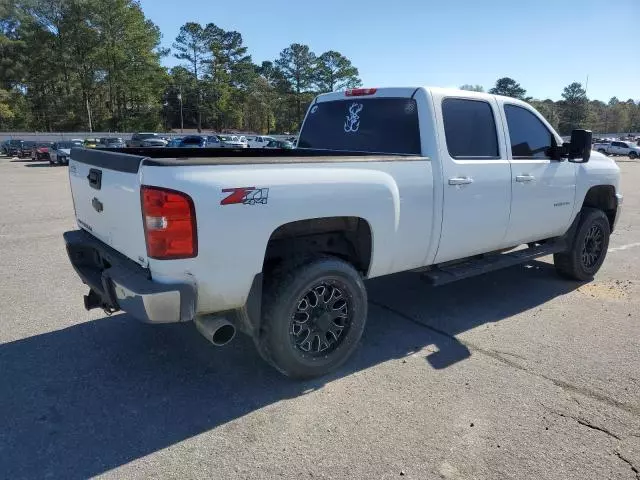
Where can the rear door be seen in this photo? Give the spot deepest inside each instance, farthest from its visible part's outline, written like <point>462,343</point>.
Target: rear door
<point>477,175</point>
<point>543,189</point>
<point>106,197</point>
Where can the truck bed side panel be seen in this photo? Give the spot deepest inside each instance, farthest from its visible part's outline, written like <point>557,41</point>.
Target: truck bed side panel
<point>395,198</point>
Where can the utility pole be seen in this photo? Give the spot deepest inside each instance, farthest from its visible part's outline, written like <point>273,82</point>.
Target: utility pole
<point>586,85</point>
<point>181,115</point>
<point>89,115</point>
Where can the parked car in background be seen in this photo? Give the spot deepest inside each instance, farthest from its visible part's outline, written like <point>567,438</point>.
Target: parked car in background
<point>13,147</point>
<point>25,148</point>
<point>213,141</point>
<point>111,142</point>
<point>629,149</point>
<point>60,152</point>
<point>90,142</point>
<point>174,142</point>
<point>146,140</point>
<point>194,141</point>
<point>285,144</point>
<point>231,141</point>
<point>259,141</point>
<point>40,151</point>
<point>244,140</point>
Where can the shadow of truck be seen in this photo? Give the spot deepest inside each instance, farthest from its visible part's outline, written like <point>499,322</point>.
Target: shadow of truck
<point>86,399</point>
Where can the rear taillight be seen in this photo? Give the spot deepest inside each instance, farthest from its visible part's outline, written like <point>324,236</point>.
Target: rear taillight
<point>360,92</point>
<point>169,223</point>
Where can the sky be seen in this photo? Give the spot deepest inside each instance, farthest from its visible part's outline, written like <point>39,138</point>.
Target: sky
<point>543,44</point>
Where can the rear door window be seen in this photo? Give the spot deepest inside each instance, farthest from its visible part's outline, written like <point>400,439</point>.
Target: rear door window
<point>380,125</point>
<point>470,129</point>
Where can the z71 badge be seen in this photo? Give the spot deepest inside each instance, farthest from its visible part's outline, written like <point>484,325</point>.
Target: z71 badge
<point>245,196</point>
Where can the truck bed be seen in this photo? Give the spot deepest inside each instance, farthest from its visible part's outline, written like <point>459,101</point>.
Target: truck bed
<point>129,159</point>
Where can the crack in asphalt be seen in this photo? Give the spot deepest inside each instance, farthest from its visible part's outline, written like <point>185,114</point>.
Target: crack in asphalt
<point>628,462</point>
<point>590,425</point>
<point>583,422</point>
<point>499,356</point>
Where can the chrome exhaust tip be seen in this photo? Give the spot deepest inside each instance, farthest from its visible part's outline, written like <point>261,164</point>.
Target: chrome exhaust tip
<point>219,331</point>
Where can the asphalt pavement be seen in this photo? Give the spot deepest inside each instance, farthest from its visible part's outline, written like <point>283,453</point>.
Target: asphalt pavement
<point>515,374</point>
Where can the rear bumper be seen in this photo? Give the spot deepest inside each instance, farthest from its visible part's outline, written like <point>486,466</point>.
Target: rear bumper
<point>118,283</point>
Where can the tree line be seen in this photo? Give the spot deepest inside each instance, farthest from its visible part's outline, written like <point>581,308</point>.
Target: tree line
<point>575,110</point>
<point>69,65</point>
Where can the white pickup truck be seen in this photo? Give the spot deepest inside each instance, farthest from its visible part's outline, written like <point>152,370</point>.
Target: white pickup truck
<point>630,149</point>
<point>277,243</point>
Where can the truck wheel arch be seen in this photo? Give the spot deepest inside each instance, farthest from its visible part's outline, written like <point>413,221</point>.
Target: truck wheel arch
<point>349,238</point>
<point>603,197</point>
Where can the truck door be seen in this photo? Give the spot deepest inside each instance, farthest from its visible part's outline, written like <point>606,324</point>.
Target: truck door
<point>477,178</point>
<point>543,189</point>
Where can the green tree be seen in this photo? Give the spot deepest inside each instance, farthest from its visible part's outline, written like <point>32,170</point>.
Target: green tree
<point>472,88</point>
<point>549,110</point>
<point>296,63</point>
<point>194,45</point>
<point>6,112</point>
<point>129,56</point>
<point>11,46</point>
<point>574,107</point>
<point>509,88</point>
<point>334,71</point>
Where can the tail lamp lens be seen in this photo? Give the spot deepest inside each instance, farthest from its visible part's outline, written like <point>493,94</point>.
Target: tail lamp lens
<point>169,223</point>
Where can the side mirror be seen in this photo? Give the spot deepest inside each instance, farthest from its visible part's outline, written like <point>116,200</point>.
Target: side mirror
<point>580,146</point>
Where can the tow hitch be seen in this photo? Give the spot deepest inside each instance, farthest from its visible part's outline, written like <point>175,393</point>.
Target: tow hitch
<point>93,300</point>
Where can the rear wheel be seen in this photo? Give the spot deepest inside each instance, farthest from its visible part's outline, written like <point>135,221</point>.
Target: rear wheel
<point>589,247</point>
<point>314,315</point>
<point>602,150</point>
<point>633,155</point>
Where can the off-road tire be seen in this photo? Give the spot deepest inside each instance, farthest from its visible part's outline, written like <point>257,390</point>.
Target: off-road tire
<point>284,288</point>
<point>571,264</point>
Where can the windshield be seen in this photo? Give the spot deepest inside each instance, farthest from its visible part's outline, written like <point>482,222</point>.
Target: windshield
<point>113,140</point>
<point>381,125</point>
<point>225,138</point>
<point>147,135</point>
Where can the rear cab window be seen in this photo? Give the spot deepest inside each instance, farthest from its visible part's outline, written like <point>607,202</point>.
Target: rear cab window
<point>470,129</point>
<point>377,125</point>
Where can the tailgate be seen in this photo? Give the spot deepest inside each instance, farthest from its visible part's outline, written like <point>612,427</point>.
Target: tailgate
<point>106,195</point>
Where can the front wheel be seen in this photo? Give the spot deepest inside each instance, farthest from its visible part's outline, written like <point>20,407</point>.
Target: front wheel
<point>588,249</point>
<point>633,155</point>
<point>314,315</point>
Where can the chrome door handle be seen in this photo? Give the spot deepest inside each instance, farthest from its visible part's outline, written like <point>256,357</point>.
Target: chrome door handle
<point>525,178</point>
<point>460,181</point>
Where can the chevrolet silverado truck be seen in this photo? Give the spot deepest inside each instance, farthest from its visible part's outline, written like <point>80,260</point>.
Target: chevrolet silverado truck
<point>277,243</point>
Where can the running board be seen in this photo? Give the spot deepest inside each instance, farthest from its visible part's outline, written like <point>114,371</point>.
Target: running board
<point>441,275</point>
